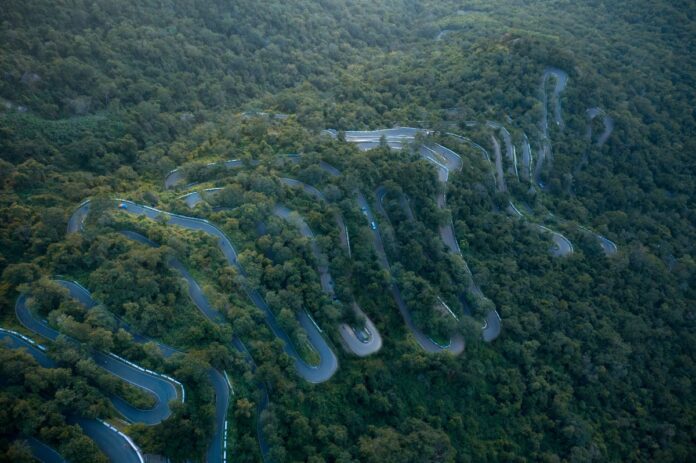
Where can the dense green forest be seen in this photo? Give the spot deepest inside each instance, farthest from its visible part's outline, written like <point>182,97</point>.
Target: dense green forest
<point>595,361</point>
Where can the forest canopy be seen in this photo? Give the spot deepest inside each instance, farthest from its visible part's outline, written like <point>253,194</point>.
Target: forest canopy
<point>569,121</point>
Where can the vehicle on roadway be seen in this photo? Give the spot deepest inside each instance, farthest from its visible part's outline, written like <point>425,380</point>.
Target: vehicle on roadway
<point>122,206</point>
<point>373,225</point>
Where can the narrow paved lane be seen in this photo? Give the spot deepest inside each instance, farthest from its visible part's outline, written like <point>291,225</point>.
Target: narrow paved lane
<point>314,192</point>
<point>500,178</point>
<point>563,246</point>
<point>445,161</point>
<point>607,120</point>
<point>43,452</point>
<point>395,138</point>
<point>456,344</point>
<point>361,341</point>
<point>162,389</point>
<point>177,176</point>
<point>561,78</point>
<point>328,363</point>
<point>116,446</point>
<point>216,450</point>
<point>453,162</point>
<point>607,245</point>
<point>527,159</point>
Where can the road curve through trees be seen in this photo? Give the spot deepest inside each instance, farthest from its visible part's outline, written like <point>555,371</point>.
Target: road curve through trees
<point>380,193</point>
<point>361,341</point>
<point>607,245</point>
<point>562,245</point>
<point>527,159</point>
<point>116,446</point>
<point>445,161</point>
<point>161,387</point>
<point>561,78</point>
<point>217,449</point>
<point>314,192</point>
<point>607,120</point>
<point>456,345</point>
<point>500,178</point>
<point>395,138</point>
<point>451,161</point>
<point>328,363</point>
<point>178,175</point>
<point>510,150</point>
<point>43,452</point>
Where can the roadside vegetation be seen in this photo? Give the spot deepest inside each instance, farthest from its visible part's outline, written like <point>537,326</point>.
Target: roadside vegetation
<point>595,361</point>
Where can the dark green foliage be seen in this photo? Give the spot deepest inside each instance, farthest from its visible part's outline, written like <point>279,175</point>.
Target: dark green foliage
<point>595,360</point>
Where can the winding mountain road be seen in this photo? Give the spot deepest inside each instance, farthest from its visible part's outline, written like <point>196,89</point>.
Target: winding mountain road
<point>456,344</point>
<point>361,341</point>
<point>216,450</point>
<point>328,363</point>
<point>453,162</point>
<point>396,138</point>
<point>312,191</point>
<point>196,197</point>
<point>117,446</point>
<point>510,150</point>
<point>163,389</point>
<point>500,178</point>
<point>562,245</point>
<point>527,159</point>
<point>561,78</point>
<point>607,245</point>
<point>82,295</point>
<point>607,120</point>
<point>445,160</point>
<point>43,452</point>
<point>178,176</point>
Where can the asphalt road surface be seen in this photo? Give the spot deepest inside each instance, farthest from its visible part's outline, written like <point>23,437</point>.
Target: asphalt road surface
<point>445,160</point>
<point>451,161</point>
<point>222,392</point>
<point>607,120</point>
<point>43,452</point>
<point>177,176</point>
<point>312,191</point>
<point>500,178</point>
<point>456,345</point>
<point>361,341</point>
<point>561,78</point>
<point>163,390</point>
<point>328,363</point>
<point>562,245</point>
<point>116,446</point>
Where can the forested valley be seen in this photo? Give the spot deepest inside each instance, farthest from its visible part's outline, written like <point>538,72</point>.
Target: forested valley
<point>333,231</point>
